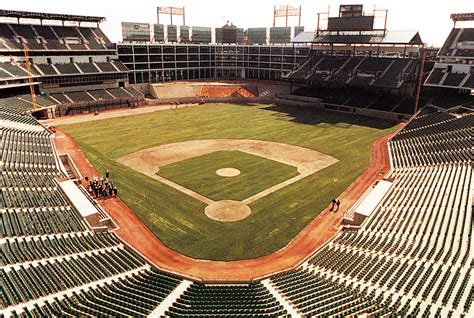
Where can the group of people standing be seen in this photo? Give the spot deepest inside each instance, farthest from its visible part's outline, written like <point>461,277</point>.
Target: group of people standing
<point>101,187</point>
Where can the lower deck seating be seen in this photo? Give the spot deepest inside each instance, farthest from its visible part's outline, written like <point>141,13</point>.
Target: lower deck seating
<point>15,103</point>
<point>101,94</point>
<point>49,246</point>
<point>317,295</point>
<point>133,91</point>
<point>80,97</point>
<point>251,300</point>
<point>31,222</point>
<point>52,276</point>
<point>411,257</point>
<point>135,295</point>
<point>119,93</point>
<point>61,98</point>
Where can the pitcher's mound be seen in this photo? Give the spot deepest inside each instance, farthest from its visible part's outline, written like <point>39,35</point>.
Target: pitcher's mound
<point>227,211</point>
<point>228,172</point>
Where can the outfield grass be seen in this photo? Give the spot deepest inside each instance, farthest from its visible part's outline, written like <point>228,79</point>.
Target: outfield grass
<point>179,220</point>
<point>256,174</point>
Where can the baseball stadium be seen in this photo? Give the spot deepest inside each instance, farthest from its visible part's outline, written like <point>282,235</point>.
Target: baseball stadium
<point>195,171</point>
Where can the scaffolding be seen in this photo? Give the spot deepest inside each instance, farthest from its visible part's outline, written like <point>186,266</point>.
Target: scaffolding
<point>286,11</point>
<point>171,11</point>
<point>30,78</point>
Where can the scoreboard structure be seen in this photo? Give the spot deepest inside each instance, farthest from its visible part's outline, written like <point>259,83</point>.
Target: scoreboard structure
<point>351,10</point>
<point>352,18</point>
<point>172,33</point>
<point>184,34</point>
<point>280,35</point>
<point>201,34</point>
<point>257,36</point>
<point>159,31</point>
<point>229,34</point>
<point>135,32</point>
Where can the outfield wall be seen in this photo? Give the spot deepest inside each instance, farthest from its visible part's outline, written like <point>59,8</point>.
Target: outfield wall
<point>197,100</point>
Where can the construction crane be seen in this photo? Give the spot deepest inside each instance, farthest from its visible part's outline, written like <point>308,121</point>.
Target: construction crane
<point>30,78</point>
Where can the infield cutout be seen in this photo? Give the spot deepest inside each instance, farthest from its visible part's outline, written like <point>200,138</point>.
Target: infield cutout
<point>148,161</point>
<point>228,172</point>
<point>227,211</point>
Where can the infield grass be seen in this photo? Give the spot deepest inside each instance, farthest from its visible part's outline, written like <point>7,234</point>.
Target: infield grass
<point>179,220</point>
<point>199,174</point>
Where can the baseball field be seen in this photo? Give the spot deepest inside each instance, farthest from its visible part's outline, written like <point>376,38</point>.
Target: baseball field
<point>283,165</point>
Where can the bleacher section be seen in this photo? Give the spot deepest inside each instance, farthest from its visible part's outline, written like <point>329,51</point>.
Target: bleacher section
<point>100,94</point>
<point>355,70</point>
<point>79,68</point>
<point>453,69</point>
<point>67,68</point>
<point>133,91</point>
<point>96,100</point>
<point>78,97</point>
<point>360,98</point>
<point>447,101</point>
<point>134,295</point>
<point>87,68</point>
<point>227,301</point>
<point>97,95</point>
<point>7,38</point>
<point>51,265</point>
<point>52,37</point>
<point>77,101</point>
<point>45,247</point>
<point>106,67</point>
<point>46,69</point>
<point>449,44</point>
<point>15,103</point>
<point>440,76</point>
<point>60,98</point>
<point>23,102</point>
<point>9,71</point>
<point>28,36</point>
<point>458,43</point>
<point>412,257</point>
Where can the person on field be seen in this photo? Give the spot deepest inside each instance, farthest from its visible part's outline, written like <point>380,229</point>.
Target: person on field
<point>333,204</point>
<point>107,174</point>
<point>338,203</point>
<point>111,189</point>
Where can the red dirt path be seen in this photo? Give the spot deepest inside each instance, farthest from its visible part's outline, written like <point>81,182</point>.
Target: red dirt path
<point>313,236</point>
